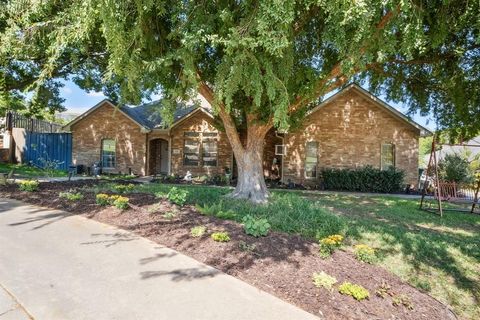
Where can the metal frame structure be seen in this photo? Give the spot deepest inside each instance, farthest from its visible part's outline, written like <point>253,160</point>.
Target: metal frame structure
<point>444,191</point>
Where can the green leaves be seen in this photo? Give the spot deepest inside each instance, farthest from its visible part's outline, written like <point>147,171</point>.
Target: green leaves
<point>255,227</point>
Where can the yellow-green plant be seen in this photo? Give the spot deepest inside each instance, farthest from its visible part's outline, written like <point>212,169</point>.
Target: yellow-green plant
<point>102,199</point>
<point>323,279</point>
<point>329,244</point>
<point>220,236</point>
<point>71,196</point>
<point>124,188</point>
<point>198,231</point>
<point>121,202</point>
<point>365,253</point>
<point>28,185</point>
<point>356,291</point>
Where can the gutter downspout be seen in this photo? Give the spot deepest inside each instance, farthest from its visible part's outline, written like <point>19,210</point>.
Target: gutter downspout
<point>284,151</point>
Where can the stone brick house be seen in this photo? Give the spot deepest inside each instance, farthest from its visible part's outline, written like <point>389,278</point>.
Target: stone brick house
<point>350,129</point>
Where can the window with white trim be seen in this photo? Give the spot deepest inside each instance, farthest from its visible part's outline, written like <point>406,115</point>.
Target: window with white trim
<point>200,149</point>
<point>311,159</point>
<point>108,153</point>
<point>387,156</point>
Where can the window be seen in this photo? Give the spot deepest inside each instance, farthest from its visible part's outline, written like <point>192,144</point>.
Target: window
<point>279,150</point>
<point>108,153</point>
<point>200,143</point>
<point>191,151</point>
<point>387,156</point>
<point>311,159</point>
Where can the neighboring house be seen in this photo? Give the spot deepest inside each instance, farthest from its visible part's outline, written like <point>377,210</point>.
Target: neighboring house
<point>348,130</point>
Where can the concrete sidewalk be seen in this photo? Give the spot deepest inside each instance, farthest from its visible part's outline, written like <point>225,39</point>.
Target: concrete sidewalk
<point>68,267</point>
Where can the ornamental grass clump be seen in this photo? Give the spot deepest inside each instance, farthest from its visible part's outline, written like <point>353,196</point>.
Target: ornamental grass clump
<point>324,280</point>
<point>329,244</point>
<point>365,253</point>
<point>28,185</point>
<point>220,236</point>
<point>356,291</point>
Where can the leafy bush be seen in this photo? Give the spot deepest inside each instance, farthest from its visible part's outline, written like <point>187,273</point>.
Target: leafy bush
<point>124,188</point>
<point>366,179</point>
<point>365,253</point>
<point>323,280</point>
<point>354,290</point>
<point>198,231</point>
<point>121,202</point>
<point>177,196</point>
<point>28,185</point>
<point>220,236</point>
<point>71,196</point>
<point>255,227</point>
<point>455,168</point>
<point>329,244</point>
<point>102,199</point>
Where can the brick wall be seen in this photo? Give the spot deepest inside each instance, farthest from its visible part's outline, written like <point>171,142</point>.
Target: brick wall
<point>199,122</point>
<point>107,122</point>
<point>350,131</point>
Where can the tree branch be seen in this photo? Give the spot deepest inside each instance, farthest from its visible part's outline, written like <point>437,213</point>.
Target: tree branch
<point>229,124</point>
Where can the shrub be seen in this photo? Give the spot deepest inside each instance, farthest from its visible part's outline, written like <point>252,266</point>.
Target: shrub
<point>112,198</point>
<point>177,196</point>
<point>169,215</point>
<point>329,244</point>
<point>102,199</point>
<point>220,236</point>
<point>366,179</point>
<point>247,247</point>
<point>456,168</point>
<point>365,253</point>
<point>124,188</point>
<point>121,202</point>
<point>354,290</point>
<point>255,227</point>
<point>28,185</point>
<point>198,231</point>
<point>71,196</point>
<point>404,300</point>
<point>323,280</point>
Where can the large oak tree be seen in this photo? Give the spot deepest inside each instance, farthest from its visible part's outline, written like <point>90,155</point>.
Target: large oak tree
<point>261,64</point>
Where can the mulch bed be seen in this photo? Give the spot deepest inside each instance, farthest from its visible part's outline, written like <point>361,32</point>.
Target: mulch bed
<point>280,264</point>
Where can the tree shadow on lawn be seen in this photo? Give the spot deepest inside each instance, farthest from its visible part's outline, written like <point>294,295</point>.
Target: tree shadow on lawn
<point>424,247</point>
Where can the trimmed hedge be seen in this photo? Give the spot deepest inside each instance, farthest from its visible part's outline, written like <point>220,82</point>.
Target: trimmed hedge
<point>366,179</point>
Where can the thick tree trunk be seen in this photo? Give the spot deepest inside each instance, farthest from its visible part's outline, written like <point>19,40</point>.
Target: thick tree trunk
<point>249,156</point>
<point>251,182</point>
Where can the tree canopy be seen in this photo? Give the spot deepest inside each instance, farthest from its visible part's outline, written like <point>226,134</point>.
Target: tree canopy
<point>269,58</point>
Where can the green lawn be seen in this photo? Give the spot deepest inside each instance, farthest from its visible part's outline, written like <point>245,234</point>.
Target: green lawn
<point>25,171</point>
<point>438,255</point>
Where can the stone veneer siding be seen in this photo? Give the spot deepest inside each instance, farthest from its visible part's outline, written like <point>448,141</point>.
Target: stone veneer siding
<point>107,122</point>
<point>199,122</point>
<point>350,131</point>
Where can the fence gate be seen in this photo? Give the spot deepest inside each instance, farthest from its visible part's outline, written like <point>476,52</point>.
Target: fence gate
<point>41,148</point>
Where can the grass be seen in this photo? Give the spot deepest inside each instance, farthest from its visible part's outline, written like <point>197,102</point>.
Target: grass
<point>25,171</point>
<point>437,255</point>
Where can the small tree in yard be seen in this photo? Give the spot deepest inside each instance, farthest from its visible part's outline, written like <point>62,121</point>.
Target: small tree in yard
<point>261,64</point>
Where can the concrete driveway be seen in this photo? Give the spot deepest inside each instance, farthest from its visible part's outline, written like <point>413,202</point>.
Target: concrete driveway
<point>58,266</point>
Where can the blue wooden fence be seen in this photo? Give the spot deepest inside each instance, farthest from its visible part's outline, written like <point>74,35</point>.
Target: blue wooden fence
<point>51,147</point>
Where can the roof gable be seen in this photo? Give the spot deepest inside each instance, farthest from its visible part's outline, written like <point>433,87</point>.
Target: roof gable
<point>377,101</point>
<point>146,116</point>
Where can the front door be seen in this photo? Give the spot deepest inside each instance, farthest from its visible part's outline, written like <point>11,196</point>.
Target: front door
<point>159,156</point>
